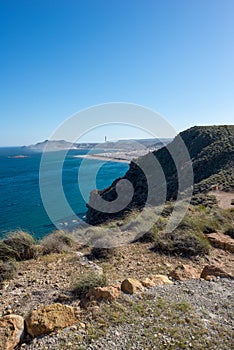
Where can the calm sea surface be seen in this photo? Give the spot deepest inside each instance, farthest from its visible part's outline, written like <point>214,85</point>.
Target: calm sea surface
<point>21,205</point>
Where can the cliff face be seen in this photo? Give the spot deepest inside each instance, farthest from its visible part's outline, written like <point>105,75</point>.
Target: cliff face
<point>207,150</point>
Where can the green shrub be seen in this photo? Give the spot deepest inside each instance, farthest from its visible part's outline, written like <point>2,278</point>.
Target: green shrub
<point>89,280</point>
<point>18,246</point>
<point>184,244</point>
<point>186,224</point>
<point>56,242</point>
<point>204,200</point>
<point>200,220</point>
<point>7,271</point>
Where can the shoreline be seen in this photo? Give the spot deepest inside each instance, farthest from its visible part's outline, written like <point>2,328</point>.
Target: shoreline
<point>104,158</point>
<point>117,156</point>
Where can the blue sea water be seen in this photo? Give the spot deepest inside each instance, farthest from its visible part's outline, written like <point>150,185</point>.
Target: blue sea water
<point>21,206</point>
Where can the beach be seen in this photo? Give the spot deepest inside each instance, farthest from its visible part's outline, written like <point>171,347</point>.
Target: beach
<point>120,157</point>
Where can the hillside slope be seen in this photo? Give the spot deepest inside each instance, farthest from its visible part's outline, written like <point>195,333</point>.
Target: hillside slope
<point>211,151</point>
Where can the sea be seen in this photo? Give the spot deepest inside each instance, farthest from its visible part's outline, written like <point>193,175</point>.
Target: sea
<point>21,205</point>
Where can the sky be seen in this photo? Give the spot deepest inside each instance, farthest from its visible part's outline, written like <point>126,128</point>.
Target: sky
<point>58,57</point>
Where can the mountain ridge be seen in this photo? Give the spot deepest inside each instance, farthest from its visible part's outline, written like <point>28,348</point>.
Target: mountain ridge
<point>124,145</point>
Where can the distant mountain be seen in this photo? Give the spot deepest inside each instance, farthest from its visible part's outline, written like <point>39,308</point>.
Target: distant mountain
<point>121,145</point>
<point>51,146</point>
<point>211,149</point>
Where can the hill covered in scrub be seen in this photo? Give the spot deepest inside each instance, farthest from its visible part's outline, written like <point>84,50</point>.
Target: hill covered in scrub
<point>155,293</point>
<point>210,156</point>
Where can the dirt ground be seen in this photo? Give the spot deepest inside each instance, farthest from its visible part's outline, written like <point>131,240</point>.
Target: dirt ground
<point>224,198</point>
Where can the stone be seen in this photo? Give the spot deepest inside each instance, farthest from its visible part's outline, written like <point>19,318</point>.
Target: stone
<point>155,280</point>
<point>221,241</point>
<point>11,331</point>
<point>95,311</point>
<point>147,282</point>
<point>184,272</point>
<point>46,319</point>
<point>211,278</point>
<point>210,271</point>
<point>82,325</point>
<point>109,293</point>
<point>131,286</point>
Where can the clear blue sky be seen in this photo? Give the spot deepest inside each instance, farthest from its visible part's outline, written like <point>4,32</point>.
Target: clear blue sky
<point>58,57</point>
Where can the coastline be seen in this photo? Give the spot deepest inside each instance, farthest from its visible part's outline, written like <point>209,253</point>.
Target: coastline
<point>119,156</point>
<point>103,158</point>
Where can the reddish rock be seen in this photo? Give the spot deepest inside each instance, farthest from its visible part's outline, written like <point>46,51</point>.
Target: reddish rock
<point>210,271</point>
<point>155,280</point>
<point>11,331</point>
<point>221,241</point>
<point>105,293</point>
<point>131,286</point>
<point>48,318</point>
<point>184,272</point>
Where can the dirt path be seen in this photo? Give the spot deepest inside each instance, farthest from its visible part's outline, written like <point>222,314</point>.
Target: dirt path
<point>224,198</point>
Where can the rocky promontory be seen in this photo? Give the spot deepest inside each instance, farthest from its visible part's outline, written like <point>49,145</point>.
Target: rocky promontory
<point>211,153</point>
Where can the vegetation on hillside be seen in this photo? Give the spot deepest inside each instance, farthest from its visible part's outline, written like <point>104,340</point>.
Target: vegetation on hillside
<point>18,246</point>
<point>187,239</point>
<point>56,242</point>
<point>211,149</point>
<point>88,281</point>
<point>159,324</point>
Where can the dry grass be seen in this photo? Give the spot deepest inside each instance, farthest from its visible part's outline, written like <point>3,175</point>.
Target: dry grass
<point>56,242</point>
<point>179,243</point>
<point>18,246</point>
<point>89,280</point>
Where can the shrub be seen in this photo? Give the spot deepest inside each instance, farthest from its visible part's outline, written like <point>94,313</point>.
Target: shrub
<point>18,246</point>
<point>204,200</point>
<point>200,220</point>
<point>88,281</point>
<point>186,224</point>
<point>185,244</point>
<point>220,217</point>
<point>230,232</point>
<point>232,201</point>
<point>7,270</point>
<point>147,237</point>
<point>6,252</point>
<point>56,242</point>
<point>161,223</point>
<point>88,236</point>
<point>208,229</point>
<point>103,249</point>
<point>168,209</point>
